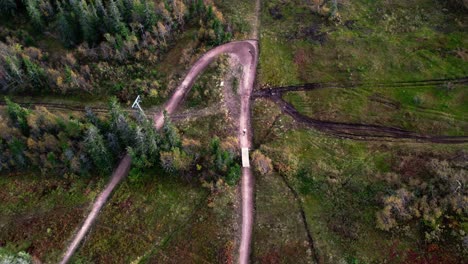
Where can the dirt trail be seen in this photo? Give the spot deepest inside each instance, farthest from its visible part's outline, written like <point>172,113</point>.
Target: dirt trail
<point>247,53</point>
<point>359,131</point>
<point>256,22</point>
<point>117,176</point>
<point>332,85</point>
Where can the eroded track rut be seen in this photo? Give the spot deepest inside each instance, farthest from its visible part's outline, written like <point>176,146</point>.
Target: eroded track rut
<point>358,131</point>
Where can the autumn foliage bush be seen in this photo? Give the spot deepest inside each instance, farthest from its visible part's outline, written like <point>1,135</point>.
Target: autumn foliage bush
<point>435,197</point>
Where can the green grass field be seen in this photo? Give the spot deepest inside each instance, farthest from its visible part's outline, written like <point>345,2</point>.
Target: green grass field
<point>339,183</point>
<point>431,110</point>
<point>141,215</point>
<point>40,213</point>
<point>372,41</point>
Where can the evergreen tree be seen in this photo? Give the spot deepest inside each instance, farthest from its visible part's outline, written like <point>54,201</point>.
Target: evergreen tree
<point>119,123</point>
<point>100,9</point>
<point>92,118</point>
<point>18,115</point>
<point>64,28</point>
<point>114,18</point>
<point>34,14</point>
<point>140,141</point>
<point>35,73</point>
<point>162,31</point>
<point>179,11</point>
<point>221,159</point>
<point>14,68</point>
<point>175,160</point>
<point>126,9</point>
<point>46,10</point>
<point>150,18</point>
<point>7,7</point>
<point>151,139</point>
<point>233,174</point>
<point>101,13</point>
<point>113,143</point>
<point>17,149</point>
<point>88,22</point>
<point>95,147</point>
<point>171,137</point>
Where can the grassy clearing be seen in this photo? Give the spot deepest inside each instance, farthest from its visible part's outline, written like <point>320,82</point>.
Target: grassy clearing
<point>279,233</point>
<point>205,128</point>
<point>340,182</point>
<point>39,214</point>
<point>207,236</point>
<point>276,65</point>
<point>145,211</point>
<point>372,41</point>
<point>166,219</point>
<point>428,110</point>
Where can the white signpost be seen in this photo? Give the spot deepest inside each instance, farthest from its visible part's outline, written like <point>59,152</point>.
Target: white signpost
<point>136,104</point>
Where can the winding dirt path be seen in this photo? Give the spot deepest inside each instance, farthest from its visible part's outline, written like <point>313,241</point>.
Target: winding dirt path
<point>247,54</point>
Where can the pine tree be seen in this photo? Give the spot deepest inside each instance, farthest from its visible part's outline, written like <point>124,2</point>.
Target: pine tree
<point>18,115</point>
<point>7,8</point>
<point>126,8</point>
<point>140,141</point>
<point>101,13</point>
<point>95,147</point>
<point>114,18</point>
<point>13,65</point>
<point>100,9</point>
<point>151,140</point>
<point>17,149</point>
<point>119,123</point>
<point>149,15</point>
<point>88,22</point>
<point>46,10</point>
<point>171,135</point>
<point>64,28</point>
<point>233,174</point>
<point>91,117</point>
<point>175,160</point>
<point>35,73</point>
<point>113,143</point>
<point>34,14</point>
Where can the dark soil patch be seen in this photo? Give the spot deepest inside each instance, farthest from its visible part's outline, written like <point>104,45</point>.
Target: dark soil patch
<point>350,24</point>
<point>275,12</point>
<point>314,34</point>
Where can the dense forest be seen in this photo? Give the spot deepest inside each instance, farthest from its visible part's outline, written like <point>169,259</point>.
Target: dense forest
<point>50,143</point>
<point>97,38</point>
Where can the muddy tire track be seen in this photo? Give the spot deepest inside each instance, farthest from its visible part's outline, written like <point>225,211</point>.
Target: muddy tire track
<point>271,91</point>
<point>365,132</point>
